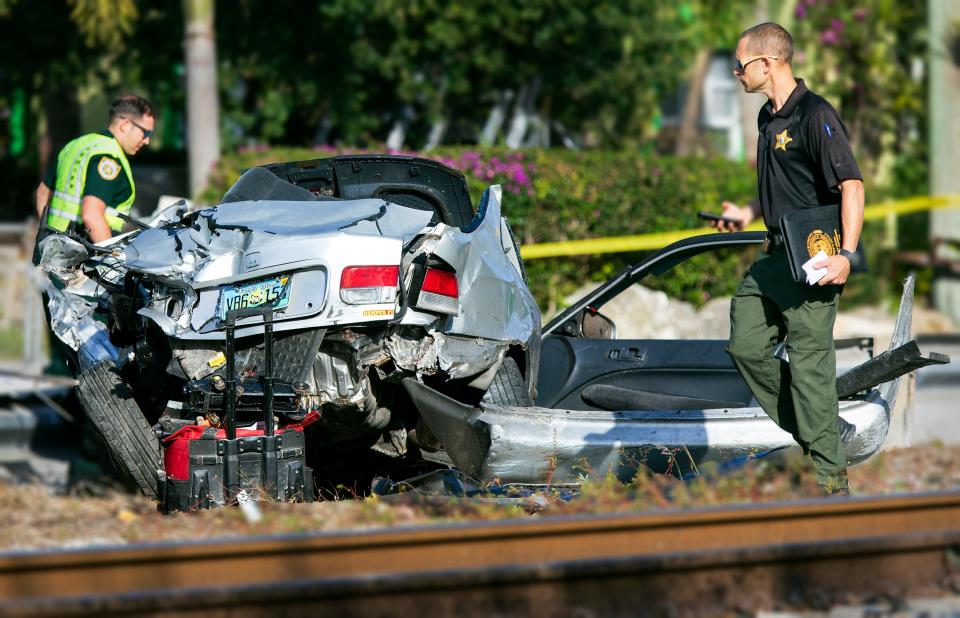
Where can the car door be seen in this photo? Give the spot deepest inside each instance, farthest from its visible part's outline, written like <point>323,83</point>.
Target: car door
<point>586,366</point>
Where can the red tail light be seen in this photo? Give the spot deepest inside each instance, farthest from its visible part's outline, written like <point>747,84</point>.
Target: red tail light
<point>439,292</point>
<point>366,285</point>
<point>369,276</point>
<point>440,282</point>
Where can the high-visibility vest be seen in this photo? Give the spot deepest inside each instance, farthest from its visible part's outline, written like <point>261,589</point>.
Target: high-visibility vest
<point>65,203</point>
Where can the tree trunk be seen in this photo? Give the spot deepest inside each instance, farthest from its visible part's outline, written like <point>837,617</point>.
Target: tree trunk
<point>495,120</point>
<point>523,110</point>
<point>397,135</point>
<point>203,107</point>
<point>62,113</point>
<point>688,132</point>
<point>438,130</point>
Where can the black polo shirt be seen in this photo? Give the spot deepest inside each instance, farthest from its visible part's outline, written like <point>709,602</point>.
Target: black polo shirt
<point>803,154</point>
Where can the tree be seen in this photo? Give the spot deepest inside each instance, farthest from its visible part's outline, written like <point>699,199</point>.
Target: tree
<point>599,69</point>
<point>203,109</point>
<point>863,57</point>
<point>710,25</point>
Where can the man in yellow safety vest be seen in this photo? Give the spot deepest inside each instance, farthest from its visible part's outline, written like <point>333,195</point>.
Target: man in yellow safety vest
<point>91,182</point>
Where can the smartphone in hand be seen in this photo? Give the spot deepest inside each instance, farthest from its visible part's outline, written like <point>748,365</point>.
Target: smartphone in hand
<point>707,216</point>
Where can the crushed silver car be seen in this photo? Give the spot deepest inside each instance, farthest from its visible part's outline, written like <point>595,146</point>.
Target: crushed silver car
<point>373,269</point>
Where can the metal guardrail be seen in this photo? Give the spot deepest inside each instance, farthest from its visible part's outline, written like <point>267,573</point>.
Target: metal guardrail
<point>21,397</point>
<point>644,559</point>
<point>14,231</point>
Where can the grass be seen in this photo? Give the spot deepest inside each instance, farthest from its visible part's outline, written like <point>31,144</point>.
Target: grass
<point>32,517</point>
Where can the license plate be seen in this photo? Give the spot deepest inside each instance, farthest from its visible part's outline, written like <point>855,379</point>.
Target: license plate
<point>273,293</point>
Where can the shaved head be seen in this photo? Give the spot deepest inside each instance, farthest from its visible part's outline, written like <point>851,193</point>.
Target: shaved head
<point>769,38</point>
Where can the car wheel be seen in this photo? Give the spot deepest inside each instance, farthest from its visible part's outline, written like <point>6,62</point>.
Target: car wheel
<point>130,441</point>
<point>508,387</point>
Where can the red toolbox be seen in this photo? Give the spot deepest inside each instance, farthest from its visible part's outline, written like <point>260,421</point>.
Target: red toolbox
<point>208,466</point>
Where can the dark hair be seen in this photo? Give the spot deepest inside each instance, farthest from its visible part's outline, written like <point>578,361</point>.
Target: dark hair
<point>130,105</point>
<point>770,38</point>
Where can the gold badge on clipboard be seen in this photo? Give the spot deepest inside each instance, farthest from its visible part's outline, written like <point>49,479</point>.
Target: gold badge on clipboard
<point>818,241</point>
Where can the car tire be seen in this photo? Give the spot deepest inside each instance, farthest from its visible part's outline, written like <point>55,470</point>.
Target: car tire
<point>131,444</point>
<point>508,387</point>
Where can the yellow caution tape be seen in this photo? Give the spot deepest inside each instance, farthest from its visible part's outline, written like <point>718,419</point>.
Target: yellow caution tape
<point>650,242</point>
<point>910,205</point>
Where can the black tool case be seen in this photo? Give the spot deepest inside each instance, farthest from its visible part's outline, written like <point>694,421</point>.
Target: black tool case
<point>208,467</point>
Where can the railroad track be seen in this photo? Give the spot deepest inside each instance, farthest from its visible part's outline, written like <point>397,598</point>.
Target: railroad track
<point>687,561</point>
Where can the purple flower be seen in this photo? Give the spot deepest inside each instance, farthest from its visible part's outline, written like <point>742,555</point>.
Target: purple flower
<point>829,37</point>
<point>801,11</point>
<point>860,14</point>
<point>837,25</point>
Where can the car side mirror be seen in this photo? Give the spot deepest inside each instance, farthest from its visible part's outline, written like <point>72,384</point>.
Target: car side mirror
<point>595,325</point>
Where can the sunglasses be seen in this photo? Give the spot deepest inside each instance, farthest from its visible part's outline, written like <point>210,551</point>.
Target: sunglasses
<point>740,65</point>
<point>146,132</point>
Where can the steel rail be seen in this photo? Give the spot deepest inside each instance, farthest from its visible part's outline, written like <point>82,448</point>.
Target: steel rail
<point>909,533</point>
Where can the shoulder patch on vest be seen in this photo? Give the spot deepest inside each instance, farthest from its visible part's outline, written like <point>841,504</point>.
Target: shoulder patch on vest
<point>108,168</point>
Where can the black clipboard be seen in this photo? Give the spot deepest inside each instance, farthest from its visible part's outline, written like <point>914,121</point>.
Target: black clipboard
<point>809,231</point>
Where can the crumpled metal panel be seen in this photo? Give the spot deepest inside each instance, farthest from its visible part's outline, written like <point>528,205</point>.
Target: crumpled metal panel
<point>413,354</point>
<point>71,319</point>
<point>458,357</point>
<point>536,444</point>
<point>232,229</point>
<point>496,309</point>
<point>495,302</point>
<point>60,255</point>
<point>597,443</point>
<point>461,357</point>
<point>242,240</point>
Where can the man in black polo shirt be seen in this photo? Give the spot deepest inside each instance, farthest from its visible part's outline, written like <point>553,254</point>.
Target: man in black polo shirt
<point>803,161</point>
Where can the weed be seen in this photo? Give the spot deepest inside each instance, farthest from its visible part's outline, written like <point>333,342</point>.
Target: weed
<point>32,517</point>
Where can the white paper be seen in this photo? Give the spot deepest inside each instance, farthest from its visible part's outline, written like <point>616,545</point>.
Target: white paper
<point>815,274</point>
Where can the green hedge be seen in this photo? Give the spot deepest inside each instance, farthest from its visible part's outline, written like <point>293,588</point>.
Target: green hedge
<point>557,195</point>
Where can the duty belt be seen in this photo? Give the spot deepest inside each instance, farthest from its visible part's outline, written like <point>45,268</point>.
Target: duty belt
<point>774,240</point>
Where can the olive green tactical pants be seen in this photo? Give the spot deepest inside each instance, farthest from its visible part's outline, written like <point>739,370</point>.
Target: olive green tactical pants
<point>800,396</point>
